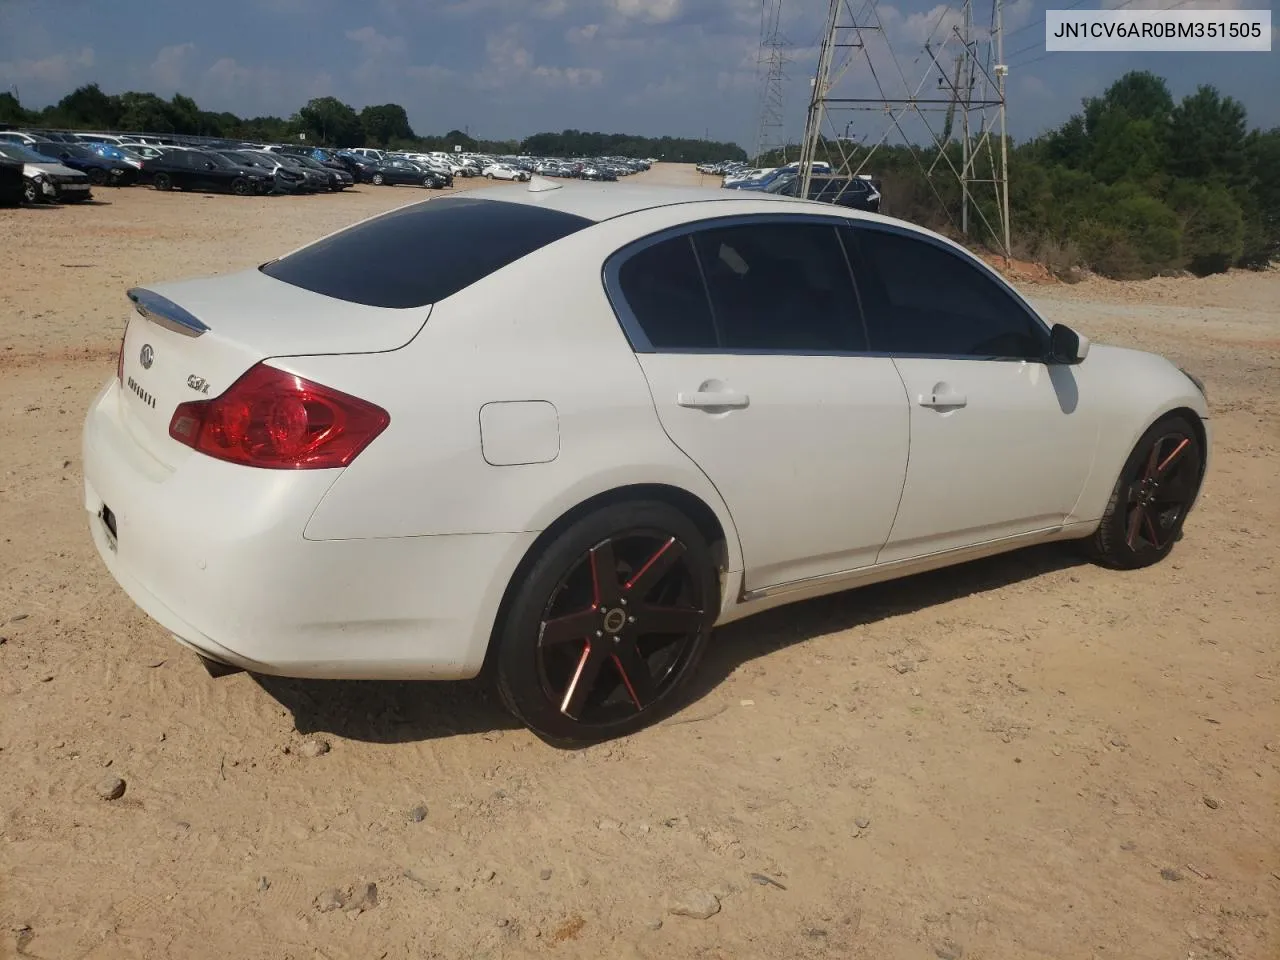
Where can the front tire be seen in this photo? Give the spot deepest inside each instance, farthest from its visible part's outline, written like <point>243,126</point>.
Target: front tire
<point>378,180</point>
<point>162,181</point>
<point>241,187</point>
<point>31,192</point>
<point>606,627</point>
<point>1151,499</point>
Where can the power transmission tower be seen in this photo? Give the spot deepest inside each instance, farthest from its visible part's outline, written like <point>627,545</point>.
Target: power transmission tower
<point>773,53</point>
<point>856,57</point>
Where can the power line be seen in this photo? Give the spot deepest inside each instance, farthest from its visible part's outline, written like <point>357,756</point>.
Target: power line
<point>773,51</point>
<point>976,89</point>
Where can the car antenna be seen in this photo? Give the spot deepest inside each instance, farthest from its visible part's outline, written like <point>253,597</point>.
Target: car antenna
<point>538,184</point>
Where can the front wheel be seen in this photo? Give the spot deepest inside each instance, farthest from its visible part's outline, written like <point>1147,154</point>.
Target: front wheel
<point>378,180</point>
<point>608,624</point>
<point>241,187</point>
<point>162,181</point>
<point>1151,499</point>
<point>31,191</point>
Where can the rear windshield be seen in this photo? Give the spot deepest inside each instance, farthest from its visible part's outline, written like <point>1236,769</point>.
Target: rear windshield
<point>422,253</point>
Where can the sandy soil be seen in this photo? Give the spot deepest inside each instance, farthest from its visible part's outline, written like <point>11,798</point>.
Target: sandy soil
<point>1022,758</point>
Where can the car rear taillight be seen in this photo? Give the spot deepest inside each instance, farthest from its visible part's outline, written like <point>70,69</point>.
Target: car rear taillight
<point>272,419</point>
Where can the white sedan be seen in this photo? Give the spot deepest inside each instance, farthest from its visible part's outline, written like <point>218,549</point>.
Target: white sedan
<point>562,432</point>
<point>502,171</point>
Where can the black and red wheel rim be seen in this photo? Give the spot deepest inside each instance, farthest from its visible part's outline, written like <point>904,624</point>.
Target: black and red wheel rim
<point>1161,491</point>
<point>619,627</point>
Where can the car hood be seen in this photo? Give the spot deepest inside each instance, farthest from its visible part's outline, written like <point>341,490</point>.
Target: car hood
<point>56,169</point>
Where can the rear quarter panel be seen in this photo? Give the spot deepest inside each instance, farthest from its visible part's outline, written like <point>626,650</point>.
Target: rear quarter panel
<point>539,329</point>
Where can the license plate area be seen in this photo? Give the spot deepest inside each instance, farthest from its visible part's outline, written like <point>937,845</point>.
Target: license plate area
<point>109,525</point>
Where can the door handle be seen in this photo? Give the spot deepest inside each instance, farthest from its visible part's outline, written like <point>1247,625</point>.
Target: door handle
<point>713,399</point>
<point>942,399</point>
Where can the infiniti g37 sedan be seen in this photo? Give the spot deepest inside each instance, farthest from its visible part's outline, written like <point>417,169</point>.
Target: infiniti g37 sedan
<point>555,435</point>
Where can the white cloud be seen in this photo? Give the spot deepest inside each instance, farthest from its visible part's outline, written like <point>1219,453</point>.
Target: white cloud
<point>58,70</point>
<point>583,34</point>
<point>374,45</point>
<point>648,11</point>
<point>569,76</point>
<point>169,66</point>
<point>230,84</point>
<point>550,9</point>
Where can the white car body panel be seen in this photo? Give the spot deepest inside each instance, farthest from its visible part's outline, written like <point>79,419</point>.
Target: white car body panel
<point>517,400</point>
<point>811,468</point>
<point>1010,461</point>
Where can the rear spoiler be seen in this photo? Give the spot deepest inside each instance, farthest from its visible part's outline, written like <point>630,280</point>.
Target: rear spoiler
<point>165,313</point>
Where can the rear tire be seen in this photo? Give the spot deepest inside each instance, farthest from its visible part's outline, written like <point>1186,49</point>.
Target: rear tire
<point>606,627</point>
<point>1152,496</point>
<point>97,176</point>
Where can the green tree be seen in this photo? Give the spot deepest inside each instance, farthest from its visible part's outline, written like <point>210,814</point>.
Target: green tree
<point>1139,94</point>
<point>146,113</point>
<point>1207,137</point>
<point>458,138</point>
<point>185,115</point>
<point>11,111</point>
<point>89,107</point>
<point>384,123</point>
<point>1211,223</point>
<point>327,120</point>
<point>1259,199</point>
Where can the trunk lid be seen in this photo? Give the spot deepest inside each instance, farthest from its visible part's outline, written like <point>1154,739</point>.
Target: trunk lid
<point>190,340</point>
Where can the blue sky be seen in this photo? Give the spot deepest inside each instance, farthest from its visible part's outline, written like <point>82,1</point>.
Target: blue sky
<point>505,68</point>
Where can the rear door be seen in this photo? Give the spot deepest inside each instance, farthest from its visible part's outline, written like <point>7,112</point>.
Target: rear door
<point>1001,440</point>
<point>178,166</point>
<point>747,333</point>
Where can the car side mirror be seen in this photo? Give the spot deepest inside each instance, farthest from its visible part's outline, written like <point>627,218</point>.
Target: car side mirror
<point>1067,346</point>
<point>208,165</point>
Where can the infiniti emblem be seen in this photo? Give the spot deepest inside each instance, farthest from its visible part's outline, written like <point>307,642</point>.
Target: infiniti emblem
<point>146,356</point>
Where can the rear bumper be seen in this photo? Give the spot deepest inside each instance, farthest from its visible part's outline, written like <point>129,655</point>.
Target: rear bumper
<point>215,554</point>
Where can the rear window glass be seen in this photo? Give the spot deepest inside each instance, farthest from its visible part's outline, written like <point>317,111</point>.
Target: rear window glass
<point>423,253</point>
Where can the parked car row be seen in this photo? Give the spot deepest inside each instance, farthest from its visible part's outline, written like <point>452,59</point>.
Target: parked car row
<point>64,166</point>
<point>860,192</point>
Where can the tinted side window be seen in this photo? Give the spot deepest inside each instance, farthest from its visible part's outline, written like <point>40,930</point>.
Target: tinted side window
<point>918,297</point>
<point>663,289</point>
<point>780,286</point>
<point>422,253</point>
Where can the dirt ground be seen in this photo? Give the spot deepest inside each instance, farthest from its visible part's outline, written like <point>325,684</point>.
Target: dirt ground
<point>1022,758</point>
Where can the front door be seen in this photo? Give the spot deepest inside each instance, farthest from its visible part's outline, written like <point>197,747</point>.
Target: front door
<point>1001,443</point>
<point>746,334</point>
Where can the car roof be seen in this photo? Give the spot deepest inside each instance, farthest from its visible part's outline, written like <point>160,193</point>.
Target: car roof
<point>604,201</point>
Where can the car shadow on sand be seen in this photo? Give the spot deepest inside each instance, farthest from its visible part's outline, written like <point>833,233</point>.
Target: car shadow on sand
<point>380,711</point>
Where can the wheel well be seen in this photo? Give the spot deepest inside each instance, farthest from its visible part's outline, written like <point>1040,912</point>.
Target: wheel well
<point>691,506</point>
<point>1193,418</point>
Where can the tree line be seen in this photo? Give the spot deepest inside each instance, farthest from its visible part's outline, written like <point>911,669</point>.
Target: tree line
<point>1132,186</point>
<point>328,121</point>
